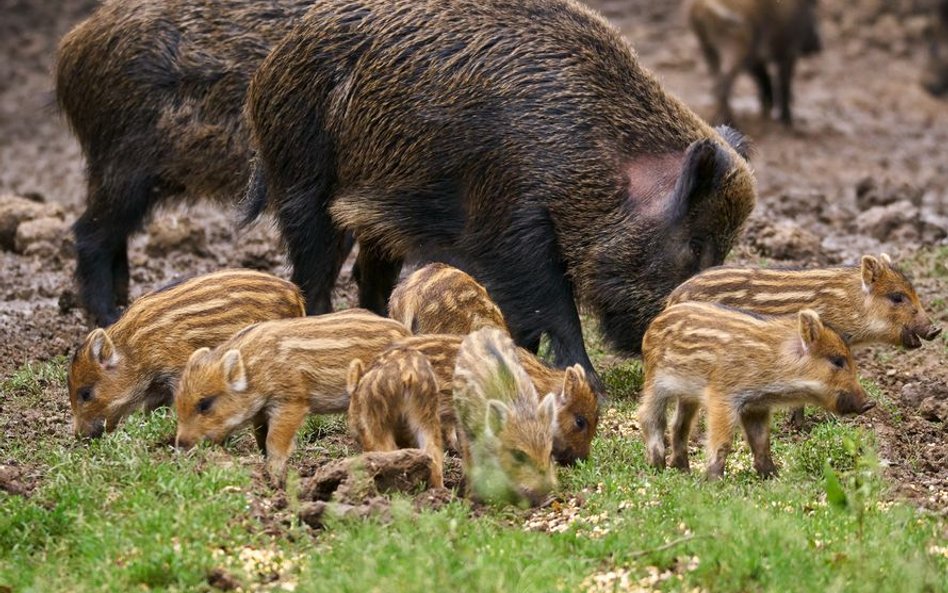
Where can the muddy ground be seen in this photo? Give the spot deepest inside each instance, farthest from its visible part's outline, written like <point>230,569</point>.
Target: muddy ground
<point>864,170</point>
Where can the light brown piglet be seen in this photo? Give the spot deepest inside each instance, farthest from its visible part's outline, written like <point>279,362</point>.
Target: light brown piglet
<point>136,361</point>
<point>272,375</point>
<point>394,405</point>
<point>738,366</point>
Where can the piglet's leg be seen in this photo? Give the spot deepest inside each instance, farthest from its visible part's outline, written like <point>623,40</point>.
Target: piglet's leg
<point>721,424</point>
<point>285,420</point>
<point>260,431</point>
<point>681,430</point>
<point>652,421</point>
<point>757,428</point>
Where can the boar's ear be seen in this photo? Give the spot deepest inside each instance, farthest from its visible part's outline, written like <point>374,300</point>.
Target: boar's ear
<point>234,373</point>
<point>884,257</point>
<point>810,328</point>
<point>705,164</point>
<point>737,140</point>
<point>356,370</point>
<point>872,270</point>
<point>103,349</point>
<point>497,413</point>
<point>547,410</point>
<point>199,353</point>
<point>573,380</point>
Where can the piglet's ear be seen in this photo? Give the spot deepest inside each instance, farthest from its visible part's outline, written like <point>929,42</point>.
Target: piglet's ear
<point>872,270</point>
<point>497,413</point>
<point>573,380</point>
<point>199,353</point>
<point>103,349</point>
<point>356,370</point>
<point>234,373</point>
<point>810,328</point>
<point>547,410</point>
<point>705,165</point>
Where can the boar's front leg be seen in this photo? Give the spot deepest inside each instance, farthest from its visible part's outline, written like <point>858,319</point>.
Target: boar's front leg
<point>785,68</point>
<point>284,421</point>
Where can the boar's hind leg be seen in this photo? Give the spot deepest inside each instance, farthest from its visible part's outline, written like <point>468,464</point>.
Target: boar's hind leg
<point>101,235</point>
<point>765,89</point>
<point>316,249</point>
<point>377,275</point>
<point>785,69</point>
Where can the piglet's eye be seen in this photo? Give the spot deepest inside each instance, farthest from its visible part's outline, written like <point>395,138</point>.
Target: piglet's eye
<point>519,456</point>
<point>581,422</point>
<point>838,362</point>
<point>897,298</point>
<point>204,406</point>
<point>85,394</point>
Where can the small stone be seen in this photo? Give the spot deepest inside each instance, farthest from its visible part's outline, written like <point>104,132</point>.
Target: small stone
<point>222,580</point>
<point>15,210</point>
<point>45,237</point>
<point>934,409</point>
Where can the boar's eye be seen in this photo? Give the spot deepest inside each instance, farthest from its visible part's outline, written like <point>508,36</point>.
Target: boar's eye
<point>697,247</point>
<point>897,298</point>
<point>519,456</point>
<point>85,394</point>
<point>581,422</point>
<point>204,406</point>
<point>838,362</point>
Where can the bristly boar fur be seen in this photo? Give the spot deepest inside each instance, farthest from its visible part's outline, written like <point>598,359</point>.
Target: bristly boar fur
<point>153,92</point>
<point>520,141</point>
<point>506,432</point>
<point>272,375</point>
<point>136,361</point>
<point>577,408</point>
<point>751,35</point>
<point>738,366</point>
<point>395,405</point>
<point>441,299</point>
<point>871,303</point>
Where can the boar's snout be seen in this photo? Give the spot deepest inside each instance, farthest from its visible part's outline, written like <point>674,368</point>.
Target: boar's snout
<point>534,498</point>
<point>183,443</point>
<point>910,338</point>
<point>565,457</point>
<point>91,430</point>
<point>853,402</point>
<point>931,332</point>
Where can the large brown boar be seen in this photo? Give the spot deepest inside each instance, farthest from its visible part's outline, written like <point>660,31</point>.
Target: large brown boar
<point>738,367</point>
<point>753,35</point>
<point>272,375</point>
<point>519,140</point>
<point>935,78</point>
<point>871,303</point>
<point>137,361</point>
<point>153,92</point>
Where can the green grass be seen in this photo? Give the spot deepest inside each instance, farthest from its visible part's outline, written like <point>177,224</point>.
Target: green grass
<point>29,381</point>
<point>128,513</point>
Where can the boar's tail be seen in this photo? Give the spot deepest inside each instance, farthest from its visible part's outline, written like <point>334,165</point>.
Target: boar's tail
<point>255,199</point>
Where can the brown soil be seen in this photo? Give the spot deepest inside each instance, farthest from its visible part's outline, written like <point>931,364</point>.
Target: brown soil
<point>863,171</point>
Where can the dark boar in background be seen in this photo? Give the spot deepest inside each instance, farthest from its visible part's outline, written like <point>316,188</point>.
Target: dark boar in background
<point>518,140</point>
<point>753,36</point>
<point>153,91</point>
<point>935,79</point>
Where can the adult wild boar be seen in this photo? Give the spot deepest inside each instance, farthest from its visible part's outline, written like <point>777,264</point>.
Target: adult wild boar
<point>519,140</point>
<point>752,35</point>
<point>153,91</point>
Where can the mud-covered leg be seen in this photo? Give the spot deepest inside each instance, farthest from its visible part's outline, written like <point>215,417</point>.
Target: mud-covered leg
<point>284,422</point>
<point>377,276</point>
<point>721,425</point>
<point>757,429</point>
<point>785,68</point>
<point>429,441</point>
<point>101,235</point>
<point>260,431</point>
<point>684,422</point>
<point>652,421</point>
<point>765,89</point>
